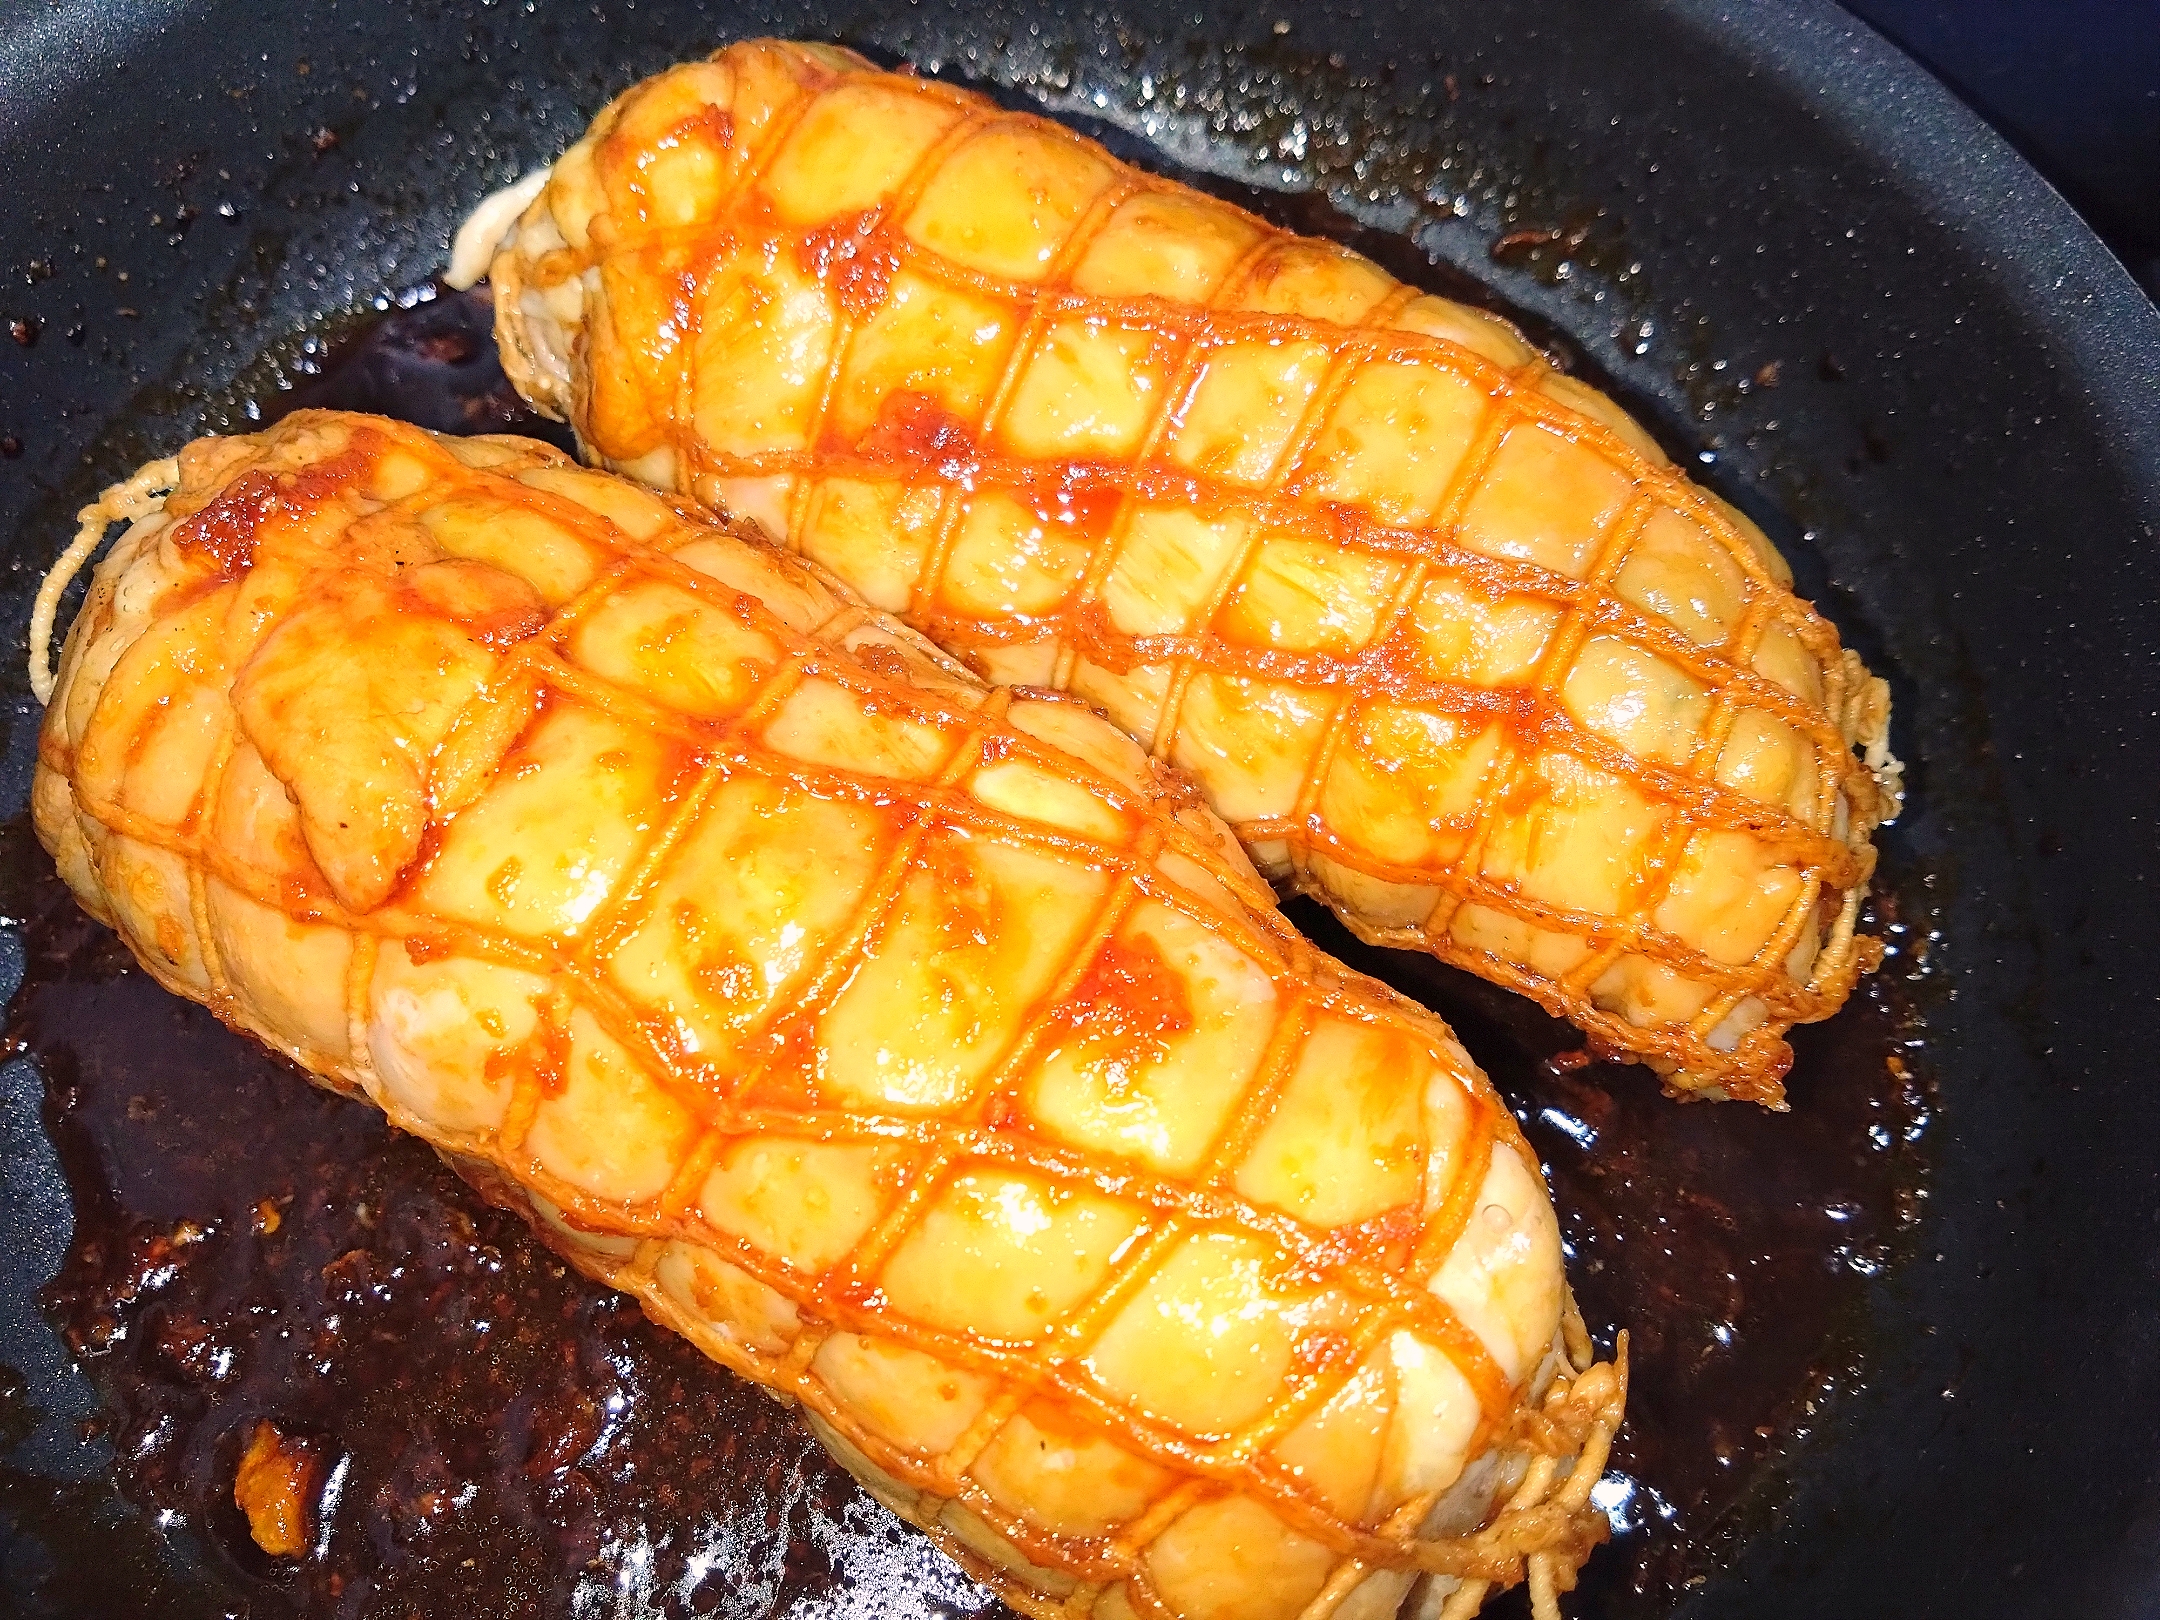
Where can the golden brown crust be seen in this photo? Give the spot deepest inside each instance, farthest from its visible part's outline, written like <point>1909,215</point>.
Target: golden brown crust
<point>704,238</point>
<point>464,777</point>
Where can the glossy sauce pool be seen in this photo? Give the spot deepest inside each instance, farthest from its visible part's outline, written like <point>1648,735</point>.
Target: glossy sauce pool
<point>482,1432</point>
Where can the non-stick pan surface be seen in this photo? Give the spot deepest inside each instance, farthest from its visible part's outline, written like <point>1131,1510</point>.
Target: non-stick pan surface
<point>1872,326</point>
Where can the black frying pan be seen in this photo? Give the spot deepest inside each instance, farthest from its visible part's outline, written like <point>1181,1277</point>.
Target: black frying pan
<point>1948,418</point>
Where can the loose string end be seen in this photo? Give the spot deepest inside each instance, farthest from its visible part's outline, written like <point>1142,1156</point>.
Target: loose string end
<point>123,503</point>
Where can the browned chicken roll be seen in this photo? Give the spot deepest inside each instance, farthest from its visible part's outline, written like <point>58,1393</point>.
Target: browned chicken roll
<point>1439,631</point>
<point>918,1049</point>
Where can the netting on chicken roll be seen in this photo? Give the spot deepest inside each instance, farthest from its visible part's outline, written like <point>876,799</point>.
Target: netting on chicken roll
<point>1439,632</point>
<point>915,1048</point>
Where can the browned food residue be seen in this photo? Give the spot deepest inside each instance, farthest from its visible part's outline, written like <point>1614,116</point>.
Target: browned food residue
<point>275,1487</point>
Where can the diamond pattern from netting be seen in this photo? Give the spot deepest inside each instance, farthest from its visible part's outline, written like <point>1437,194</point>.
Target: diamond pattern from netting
<point>1391,481</point>
<point>612,1113</point>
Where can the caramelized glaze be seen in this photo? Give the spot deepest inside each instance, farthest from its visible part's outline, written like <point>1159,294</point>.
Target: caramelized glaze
<point>900,326</point>
<point>742,969</point>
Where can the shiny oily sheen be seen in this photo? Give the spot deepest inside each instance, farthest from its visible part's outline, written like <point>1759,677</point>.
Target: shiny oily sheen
<point>918,1049</point>
<point>1440,632</point>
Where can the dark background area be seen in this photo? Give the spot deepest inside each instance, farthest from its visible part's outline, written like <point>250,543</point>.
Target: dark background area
<point>2073,84</point>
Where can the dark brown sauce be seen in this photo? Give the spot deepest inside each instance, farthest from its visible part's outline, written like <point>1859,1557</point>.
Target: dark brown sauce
<point>429,360</point>
<point>497,1437</point>
<point>504,1439</point>
<point>1734,1245</point>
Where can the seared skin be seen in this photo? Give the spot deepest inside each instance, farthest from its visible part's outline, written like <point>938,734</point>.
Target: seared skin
<point>1440,633</point>
<point>916,1048</point>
